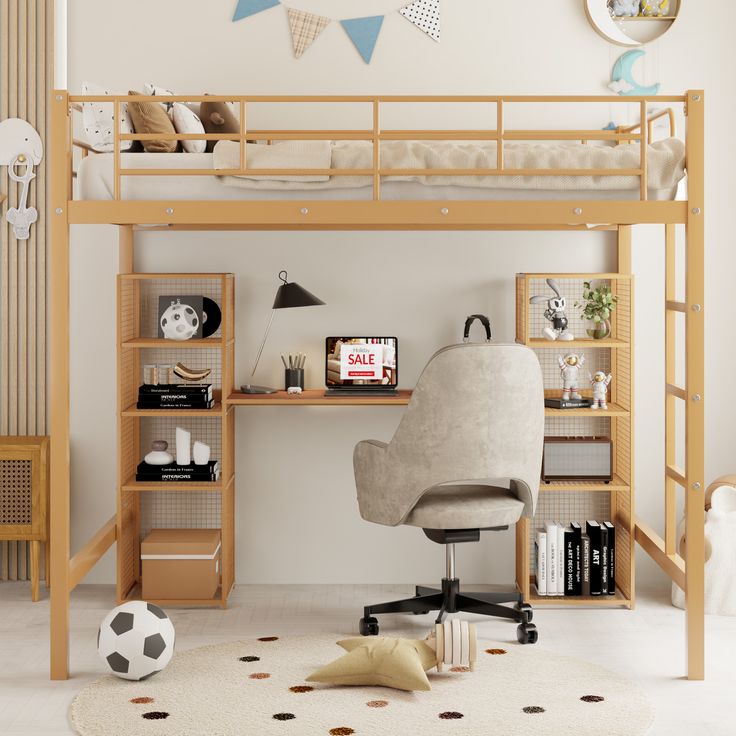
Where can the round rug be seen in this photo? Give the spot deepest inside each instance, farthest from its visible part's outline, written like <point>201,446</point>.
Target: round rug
<point>258,687</point>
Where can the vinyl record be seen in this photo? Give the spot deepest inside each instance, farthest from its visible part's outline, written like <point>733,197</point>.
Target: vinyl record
<point>212,317</point>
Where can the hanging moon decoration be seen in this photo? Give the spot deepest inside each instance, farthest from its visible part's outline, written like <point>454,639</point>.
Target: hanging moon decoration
<point>622,76</point>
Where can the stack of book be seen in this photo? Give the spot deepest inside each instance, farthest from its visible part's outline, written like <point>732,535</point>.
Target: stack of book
<point>551,402</point>
<point>174,473</point>
<point>176,396</point>
<point>570,563</point>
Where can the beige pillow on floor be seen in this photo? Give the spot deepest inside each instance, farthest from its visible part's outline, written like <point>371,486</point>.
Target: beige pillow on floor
<point>150,117</point>
<point>378,660</point>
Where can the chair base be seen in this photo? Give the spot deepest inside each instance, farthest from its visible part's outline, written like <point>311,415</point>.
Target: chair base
<point>449,599</point>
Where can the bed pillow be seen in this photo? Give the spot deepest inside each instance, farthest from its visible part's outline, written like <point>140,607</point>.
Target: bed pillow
<point>185,121</point>
<point>151,89</point>
<point>217,118</point>
<point>150,117</point>
<point>98,121</point>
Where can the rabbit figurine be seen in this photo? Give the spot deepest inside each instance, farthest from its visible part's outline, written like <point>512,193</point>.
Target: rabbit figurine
<point>621,8</point>
<point>555,313</point>
<point>655,7</point>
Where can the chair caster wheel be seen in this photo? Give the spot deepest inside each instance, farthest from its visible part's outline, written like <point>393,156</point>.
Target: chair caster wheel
<point>527,634</point>
<point>421,613</point>
<point>525,611</point>
<point>368,626</point>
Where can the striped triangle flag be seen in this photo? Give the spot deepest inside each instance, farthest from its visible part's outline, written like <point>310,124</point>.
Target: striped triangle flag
<point>425,15</point>
<point>305,27</point>
<point>251,7</point>
<point>363,33</point>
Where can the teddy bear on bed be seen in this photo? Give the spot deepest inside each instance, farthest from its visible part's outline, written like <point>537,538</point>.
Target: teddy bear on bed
<point>620,8</point>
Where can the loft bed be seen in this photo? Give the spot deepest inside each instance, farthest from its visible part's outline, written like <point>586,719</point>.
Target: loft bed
<point>374,178</point>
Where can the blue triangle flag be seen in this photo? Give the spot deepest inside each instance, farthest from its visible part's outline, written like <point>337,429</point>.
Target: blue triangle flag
<point>363,33</point>
<point>251,7</point>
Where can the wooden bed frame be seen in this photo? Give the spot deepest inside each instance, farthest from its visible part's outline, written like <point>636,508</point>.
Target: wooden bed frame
<point>379,214</point>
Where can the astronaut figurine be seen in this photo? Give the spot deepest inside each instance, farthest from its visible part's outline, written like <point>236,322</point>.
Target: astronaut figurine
<point>600,382</point>
<point>569,370</point>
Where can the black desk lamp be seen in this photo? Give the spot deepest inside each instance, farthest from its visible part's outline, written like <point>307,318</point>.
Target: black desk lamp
<point>287,296</point>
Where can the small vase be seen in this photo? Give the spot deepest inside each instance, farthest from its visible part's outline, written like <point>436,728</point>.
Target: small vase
<point>598,330</point>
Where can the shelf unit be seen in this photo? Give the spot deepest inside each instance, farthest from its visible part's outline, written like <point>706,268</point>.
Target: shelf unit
<point>578,500</point>
<point>141,506</point>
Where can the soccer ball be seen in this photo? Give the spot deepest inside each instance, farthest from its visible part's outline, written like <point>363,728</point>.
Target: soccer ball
<point>179,322</point>
<point>136,640</point>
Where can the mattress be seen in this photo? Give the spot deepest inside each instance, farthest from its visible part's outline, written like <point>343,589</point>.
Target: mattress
<point>665,164</point>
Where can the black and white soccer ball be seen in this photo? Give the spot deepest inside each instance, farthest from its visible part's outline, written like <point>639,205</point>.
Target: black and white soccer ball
<point>179,322</point>
<point>136,640</point>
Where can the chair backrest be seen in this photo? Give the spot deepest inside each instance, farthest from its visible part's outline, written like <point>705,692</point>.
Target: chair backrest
<point>476,414</point>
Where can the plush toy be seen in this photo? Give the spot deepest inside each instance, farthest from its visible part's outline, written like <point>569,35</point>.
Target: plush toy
<point>655,7</point>
<point>621,8</point>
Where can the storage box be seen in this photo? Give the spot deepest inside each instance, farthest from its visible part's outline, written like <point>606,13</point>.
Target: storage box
<point>180,564</point>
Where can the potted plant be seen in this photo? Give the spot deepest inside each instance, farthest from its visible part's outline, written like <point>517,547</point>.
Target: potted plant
<point>597,305</point>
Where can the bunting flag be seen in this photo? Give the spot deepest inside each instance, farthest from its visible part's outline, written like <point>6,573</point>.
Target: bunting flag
<point>251,7</point>
<point>363,33</point>
<point>305,27</point>
<point>425,15</point>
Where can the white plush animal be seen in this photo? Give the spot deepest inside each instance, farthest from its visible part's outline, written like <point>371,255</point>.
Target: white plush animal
<point>720,551</point>
<point>624,7</point>
<point>655,7</point>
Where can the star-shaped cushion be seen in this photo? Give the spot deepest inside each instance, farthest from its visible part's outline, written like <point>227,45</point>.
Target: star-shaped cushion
<point>379,660</point>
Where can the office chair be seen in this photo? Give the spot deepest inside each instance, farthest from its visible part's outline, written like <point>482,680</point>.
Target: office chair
<point>465,458</point>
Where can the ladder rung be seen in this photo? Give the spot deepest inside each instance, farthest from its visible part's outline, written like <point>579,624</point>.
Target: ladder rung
<point>676,391</point>
<point>674,306</point>
<point>676,475</point>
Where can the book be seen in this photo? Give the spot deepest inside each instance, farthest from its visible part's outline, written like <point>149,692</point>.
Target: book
<point>555,403</point>
<point>611,557</point>
<point>179,388</point>
<point>560,559</point>
<point>540,545</point>
<point>569,561</point>
<point>177,401</point>
<point>593,529</point>
<point>604,560</point>
<point>585,564</point>
<point>551,559</point>
<point>172,472</point>
<point>577,533</point>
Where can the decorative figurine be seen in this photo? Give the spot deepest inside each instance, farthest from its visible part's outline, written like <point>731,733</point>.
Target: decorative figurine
<point>201,453</point>
<point>555,313</point>
<point>179,321</point>
<point>655,8</point>
<point>294,390</point>
<point>569,369</point>
<point>183,447</point>
<point>158,454</point>
<point>600,382</point>
<point>621,8</point>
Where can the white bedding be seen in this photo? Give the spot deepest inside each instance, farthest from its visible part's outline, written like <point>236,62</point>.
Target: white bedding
<point>665,159</point>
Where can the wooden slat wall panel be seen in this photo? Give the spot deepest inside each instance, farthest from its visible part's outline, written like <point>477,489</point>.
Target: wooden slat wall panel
<point>24,71</point>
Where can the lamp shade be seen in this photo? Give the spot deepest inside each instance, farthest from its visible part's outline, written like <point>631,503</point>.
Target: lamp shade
<point>293,295</point>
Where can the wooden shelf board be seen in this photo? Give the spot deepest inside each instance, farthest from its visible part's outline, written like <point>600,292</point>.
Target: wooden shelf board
<point>616,484</point>
<point>582,342</point>
<point>133,485</point>
<point>216,601</point>
<point>132,411</point>
<point>316,397</point>
<point>629,18</point>
<point>603,601</point>
<point>171,276</point>
<point>162,342</point>
<point>614,410</point>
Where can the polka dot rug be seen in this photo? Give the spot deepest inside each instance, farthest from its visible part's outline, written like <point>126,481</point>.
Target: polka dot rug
<point>258,687</point>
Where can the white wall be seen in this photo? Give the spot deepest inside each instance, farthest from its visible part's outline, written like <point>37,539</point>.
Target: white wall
<point>297,517</point>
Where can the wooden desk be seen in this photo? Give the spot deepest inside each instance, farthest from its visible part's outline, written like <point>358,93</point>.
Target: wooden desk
<point>316,397</point>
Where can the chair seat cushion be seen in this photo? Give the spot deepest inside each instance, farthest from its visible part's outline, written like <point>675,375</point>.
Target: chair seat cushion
<point>465,507</point>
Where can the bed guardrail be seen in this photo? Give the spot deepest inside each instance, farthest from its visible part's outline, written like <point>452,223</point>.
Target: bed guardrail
<point>636,133</point>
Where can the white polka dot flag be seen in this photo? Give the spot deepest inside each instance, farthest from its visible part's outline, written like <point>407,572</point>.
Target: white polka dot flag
<point>425,15</point>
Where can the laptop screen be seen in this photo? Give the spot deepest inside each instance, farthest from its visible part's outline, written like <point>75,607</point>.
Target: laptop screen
<point>361,361</point>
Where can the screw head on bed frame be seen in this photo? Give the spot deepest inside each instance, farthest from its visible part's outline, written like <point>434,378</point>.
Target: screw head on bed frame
<point>59,210</point>
<point>696,486</point>
<point>697,397</point>
<point>169,210</point>
<point>697,210</point>
<point>445,211</point>
<point>696,98</point>
<point>696,307</point>
<point>59,98</point>
<point>304,210</point>
<point>578,210</point>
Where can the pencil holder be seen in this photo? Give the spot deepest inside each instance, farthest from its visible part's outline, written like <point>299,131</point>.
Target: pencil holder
<point>294,377</point>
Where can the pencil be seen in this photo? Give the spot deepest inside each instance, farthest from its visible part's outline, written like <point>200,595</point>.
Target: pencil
<point>284,362</point>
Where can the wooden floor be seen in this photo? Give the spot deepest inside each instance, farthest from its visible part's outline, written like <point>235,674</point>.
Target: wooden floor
<point>646,645</point>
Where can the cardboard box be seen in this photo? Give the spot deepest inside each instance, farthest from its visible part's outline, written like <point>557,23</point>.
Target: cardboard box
<point>180,564</point>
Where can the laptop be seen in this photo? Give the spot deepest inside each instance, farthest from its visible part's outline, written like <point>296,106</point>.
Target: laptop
<point>361,366</point>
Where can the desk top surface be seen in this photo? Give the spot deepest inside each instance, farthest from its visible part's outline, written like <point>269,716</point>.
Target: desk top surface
<point>316,397</point>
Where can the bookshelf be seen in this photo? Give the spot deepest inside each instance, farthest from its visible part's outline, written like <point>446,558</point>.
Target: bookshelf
<point>142,506</point>
<point>567,501</point>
